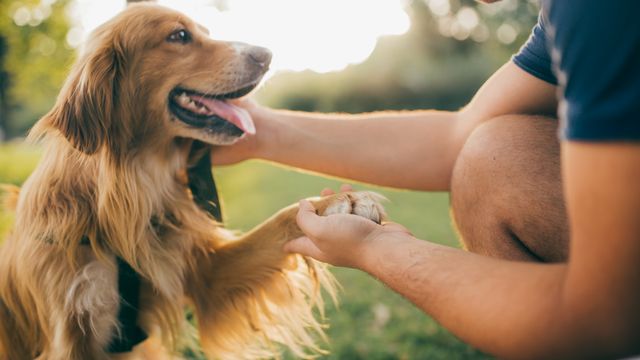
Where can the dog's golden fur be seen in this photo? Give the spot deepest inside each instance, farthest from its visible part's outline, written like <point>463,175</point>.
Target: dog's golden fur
<point>113,171</point>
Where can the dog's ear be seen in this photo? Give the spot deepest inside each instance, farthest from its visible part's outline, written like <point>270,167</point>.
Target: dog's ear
<point>85,109</point>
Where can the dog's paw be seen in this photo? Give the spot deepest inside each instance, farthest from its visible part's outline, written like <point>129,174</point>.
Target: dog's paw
<point>362,203</point>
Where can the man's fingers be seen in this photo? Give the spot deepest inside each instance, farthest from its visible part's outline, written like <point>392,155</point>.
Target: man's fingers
<point>327,192</point>
<point>244,102</point>
<point>310,223</point>
<point>346,188</point>
<point>343,188</point>
<point>304,246</point>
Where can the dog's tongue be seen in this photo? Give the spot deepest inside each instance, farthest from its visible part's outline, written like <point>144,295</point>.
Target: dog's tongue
<point>233,114</point>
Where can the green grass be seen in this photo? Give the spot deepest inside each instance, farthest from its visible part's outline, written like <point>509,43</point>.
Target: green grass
<point>371,322</point>
<point>17,160</point>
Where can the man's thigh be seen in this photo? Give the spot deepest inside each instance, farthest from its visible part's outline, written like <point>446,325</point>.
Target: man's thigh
<point>506,190</point>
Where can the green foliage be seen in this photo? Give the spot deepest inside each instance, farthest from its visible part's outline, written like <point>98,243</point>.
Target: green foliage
<point>37,60</point>
<point>371,321</point>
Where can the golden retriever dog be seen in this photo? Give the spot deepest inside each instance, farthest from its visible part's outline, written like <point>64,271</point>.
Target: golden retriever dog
<point>111,189</point>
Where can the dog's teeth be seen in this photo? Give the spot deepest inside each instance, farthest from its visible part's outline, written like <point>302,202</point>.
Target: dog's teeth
<point>193,106</point>
<point>188,103</point>
<point>183,99</point>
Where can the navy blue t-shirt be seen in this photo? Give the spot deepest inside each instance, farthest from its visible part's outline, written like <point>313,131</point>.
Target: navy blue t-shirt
<point>591,50</point>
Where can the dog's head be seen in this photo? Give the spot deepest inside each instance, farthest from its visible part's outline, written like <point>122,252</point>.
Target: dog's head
<point>151,75</point>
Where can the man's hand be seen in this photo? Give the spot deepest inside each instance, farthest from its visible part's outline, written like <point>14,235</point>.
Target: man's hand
<point>341,239</point>
<point>249,146</point>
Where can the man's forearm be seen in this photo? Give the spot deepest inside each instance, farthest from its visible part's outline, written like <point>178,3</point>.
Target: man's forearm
<point>414,150</point>
<point>509,309</point>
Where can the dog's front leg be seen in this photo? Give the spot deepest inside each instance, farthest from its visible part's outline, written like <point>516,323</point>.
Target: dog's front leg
<point>250,294</point>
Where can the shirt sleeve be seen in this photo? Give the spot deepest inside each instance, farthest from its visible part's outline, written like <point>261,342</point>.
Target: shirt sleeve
<point>596,48</point>
<point>533,56</point>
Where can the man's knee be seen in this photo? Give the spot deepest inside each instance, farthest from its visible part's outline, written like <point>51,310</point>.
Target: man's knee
<point>506,192</point>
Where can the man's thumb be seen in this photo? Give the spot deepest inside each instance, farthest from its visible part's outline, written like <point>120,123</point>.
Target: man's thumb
<point>308,221</point>
<point>304,246</point>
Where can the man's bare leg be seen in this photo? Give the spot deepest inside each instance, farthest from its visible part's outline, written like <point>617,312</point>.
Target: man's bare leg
<point>506,191</point>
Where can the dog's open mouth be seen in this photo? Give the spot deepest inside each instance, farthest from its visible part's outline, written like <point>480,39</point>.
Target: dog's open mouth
<point>212,112</point>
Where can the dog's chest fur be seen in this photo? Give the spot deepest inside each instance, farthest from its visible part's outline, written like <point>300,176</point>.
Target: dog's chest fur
<point>143,214</point>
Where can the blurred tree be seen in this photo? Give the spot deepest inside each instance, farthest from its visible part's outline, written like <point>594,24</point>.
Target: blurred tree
<point>450,49</point>
<point>35,61</point>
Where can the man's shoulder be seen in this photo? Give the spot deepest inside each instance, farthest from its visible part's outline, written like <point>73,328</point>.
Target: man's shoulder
<point>595,47</point>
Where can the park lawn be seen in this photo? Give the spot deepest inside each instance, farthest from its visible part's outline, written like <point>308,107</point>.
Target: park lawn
<point>371,322</point>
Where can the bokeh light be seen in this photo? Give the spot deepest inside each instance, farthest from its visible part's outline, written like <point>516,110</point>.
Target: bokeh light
<point>322,36</point>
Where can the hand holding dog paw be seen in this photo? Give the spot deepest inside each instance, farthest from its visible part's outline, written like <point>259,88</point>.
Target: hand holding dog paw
<point>342,238</point>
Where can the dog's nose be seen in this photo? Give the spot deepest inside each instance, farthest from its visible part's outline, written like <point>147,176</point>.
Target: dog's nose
<point>260,56</point>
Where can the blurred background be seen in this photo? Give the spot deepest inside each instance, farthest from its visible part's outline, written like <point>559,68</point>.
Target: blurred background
<point>329,55</point>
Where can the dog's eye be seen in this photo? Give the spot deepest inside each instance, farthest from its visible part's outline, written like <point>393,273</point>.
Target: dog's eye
<point>180,36</point>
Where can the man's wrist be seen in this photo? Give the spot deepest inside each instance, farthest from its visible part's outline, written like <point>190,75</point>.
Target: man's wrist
<point>384,251</point>
<point>269,137</point>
